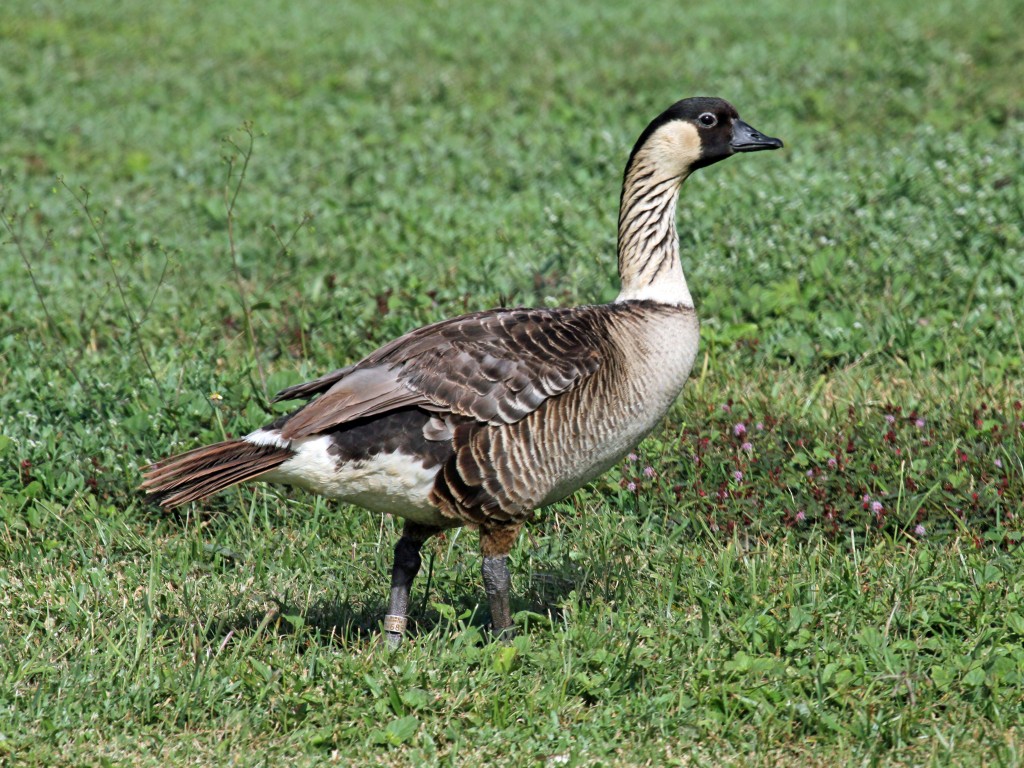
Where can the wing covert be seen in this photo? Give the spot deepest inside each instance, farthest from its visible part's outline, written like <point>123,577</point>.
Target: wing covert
<point>494,366</point>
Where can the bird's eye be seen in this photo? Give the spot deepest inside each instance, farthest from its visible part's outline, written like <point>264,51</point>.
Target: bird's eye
<point>708,120</point>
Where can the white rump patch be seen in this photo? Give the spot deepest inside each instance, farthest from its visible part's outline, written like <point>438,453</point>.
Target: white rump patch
<point>268,437</point>
<point>391,483</point>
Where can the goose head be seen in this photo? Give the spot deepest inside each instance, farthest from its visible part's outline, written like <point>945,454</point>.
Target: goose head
<point>697,132</point>
<point>690,134</point>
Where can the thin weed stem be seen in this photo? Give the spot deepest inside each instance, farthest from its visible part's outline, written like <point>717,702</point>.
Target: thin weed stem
<point>230,201</point>
<point>82,199</point>
<point>19,244</point>
<point>284,245</point>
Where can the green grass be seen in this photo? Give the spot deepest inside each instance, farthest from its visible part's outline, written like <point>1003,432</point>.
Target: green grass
<point>837,582</point>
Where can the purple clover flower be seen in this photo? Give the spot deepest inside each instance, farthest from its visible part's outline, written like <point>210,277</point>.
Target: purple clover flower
<point>739,429</point>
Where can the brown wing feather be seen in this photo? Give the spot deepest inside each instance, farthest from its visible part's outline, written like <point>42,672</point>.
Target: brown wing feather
<point>309,389</point>
<point>363,392</point>
<point>494,366</point>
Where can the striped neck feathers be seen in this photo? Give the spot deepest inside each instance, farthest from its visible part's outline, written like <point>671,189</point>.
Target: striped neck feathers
<point>649,266</point>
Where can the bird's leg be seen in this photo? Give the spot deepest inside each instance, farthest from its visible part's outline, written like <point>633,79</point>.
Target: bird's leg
<point>407,565</point>
<point>495,544</point>
<point>497,582</point>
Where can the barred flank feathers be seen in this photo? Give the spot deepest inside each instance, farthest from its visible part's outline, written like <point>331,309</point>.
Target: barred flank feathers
<point>202,472</point>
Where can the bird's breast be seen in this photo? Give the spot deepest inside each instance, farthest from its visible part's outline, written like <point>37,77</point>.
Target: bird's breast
<point>620,405</point>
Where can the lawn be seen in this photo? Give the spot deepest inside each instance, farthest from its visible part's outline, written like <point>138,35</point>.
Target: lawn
<point>813,561</point>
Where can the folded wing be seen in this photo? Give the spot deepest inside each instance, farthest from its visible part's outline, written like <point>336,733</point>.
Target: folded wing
<point>494,367</point>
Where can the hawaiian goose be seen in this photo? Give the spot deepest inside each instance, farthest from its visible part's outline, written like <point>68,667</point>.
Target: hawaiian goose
<point>481,419</point>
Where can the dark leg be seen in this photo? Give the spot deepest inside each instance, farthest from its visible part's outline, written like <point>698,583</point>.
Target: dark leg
<point>497,582</point>
<point>407,565</point>
<point>495,544</point>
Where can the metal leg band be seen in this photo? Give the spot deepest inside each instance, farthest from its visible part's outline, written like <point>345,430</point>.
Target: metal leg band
<point>395,624</point>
